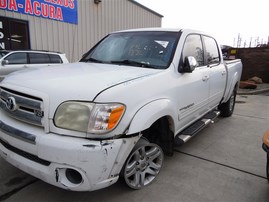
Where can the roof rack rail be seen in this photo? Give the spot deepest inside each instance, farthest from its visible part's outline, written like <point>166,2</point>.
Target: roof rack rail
<point>34,50</point>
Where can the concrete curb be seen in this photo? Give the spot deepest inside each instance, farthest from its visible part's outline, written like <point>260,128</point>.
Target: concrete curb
<point>253,92</point>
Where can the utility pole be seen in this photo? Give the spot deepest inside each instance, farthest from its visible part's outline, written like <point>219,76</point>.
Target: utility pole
<point>238,40</point>
<point>258,41</point>
<point>250,42</point>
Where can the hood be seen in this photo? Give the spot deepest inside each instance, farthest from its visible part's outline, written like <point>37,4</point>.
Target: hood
<point>76,81</point>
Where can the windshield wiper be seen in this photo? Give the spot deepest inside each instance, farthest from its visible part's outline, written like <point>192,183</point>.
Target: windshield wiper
<point>93,60</point>
<point>132,63</point>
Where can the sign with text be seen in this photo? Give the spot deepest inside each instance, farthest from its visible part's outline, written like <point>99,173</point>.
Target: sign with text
<point>2,35</point>
<point>60,10</point>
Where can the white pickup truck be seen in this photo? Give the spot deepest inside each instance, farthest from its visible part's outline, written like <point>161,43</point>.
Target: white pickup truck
<point>118,111</point>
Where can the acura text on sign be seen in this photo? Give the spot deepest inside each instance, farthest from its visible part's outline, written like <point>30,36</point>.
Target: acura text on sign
<point>60,10</point>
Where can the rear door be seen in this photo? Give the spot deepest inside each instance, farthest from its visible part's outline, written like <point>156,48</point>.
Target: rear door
<point>43,59</point>
<point>217,71</point>
<point>38,60</point>
<point>193,88</point>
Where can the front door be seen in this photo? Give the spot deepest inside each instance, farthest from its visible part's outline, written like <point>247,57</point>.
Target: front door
<point>193,90</point>
<point>13,62</point>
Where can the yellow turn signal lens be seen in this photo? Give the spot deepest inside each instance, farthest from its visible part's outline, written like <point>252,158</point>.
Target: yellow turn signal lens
<point>115,116</point>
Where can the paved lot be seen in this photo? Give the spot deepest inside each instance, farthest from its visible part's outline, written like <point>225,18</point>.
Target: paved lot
<point>224,162</point>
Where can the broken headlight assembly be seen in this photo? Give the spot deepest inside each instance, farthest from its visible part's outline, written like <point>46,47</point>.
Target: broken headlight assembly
<point>88,117</point>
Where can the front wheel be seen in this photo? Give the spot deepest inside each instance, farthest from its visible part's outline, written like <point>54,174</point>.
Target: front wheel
<point>143,164</point>
<point>227,108</point>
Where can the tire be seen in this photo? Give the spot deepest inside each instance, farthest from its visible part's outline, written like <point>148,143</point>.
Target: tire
<point>227,108</point>
<point>143,164</point>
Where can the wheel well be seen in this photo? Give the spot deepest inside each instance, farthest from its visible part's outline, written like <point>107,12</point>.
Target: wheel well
<point>161,132</point>
<point>236,86</point>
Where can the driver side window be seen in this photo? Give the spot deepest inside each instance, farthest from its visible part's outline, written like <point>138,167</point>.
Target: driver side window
<point>193,47</point>
<point>17,58</point>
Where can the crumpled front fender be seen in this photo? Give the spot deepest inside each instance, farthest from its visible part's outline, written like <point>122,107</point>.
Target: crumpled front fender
<point>150,113</point>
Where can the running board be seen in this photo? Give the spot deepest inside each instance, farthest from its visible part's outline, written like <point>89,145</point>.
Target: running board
<point>196,127</point>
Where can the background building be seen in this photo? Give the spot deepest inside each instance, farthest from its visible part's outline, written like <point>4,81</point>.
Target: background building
<point>68,26</point>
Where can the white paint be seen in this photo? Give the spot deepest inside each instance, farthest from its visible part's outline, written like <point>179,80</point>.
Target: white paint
<point>151,95</point>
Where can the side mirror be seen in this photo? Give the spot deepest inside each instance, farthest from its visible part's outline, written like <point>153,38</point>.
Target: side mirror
<point>4,62</point>
<point>190,64</point>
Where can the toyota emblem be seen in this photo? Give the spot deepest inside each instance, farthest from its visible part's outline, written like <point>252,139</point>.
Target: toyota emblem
<point>11,104</point>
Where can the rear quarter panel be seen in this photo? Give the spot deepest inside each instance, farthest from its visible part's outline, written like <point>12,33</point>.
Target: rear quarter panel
<point>234,68</point>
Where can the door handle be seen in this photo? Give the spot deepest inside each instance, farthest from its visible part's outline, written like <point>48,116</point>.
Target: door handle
<point>223,73</point>
<point>205,78</point>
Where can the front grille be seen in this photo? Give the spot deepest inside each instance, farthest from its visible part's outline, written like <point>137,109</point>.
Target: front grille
<point>25,154</point>
<point>9,130</point>
<point>23,107</point>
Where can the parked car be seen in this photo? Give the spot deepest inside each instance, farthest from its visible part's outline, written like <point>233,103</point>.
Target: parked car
<point>12,61</point>
<point>118,111</point>
<point>265,147</point>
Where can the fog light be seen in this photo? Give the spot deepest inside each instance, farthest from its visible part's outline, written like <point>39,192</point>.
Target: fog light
<point>73,176</point>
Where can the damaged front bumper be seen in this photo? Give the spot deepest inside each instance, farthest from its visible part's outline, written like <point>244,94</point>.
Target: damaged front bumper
<point>68,162</point>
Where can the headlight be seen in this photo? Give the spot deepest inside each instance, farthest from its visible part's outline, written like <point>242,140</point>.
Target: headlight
<point>88,117</point>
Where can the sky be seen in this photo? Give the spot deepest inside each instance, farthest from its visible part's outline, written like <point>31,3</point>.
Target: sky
<point>227,20</point>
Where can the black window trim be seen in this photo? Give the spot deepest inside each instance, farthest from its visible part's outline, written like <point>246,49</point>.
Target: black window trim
<point>181,62</point>
<point>204,48</point>
<point>50,57</point>
<point>27,58</point>
<point>29,62</point>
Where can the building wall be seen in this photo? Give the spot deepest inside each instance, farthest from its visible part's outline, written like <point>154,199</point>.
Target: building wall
<point>255,62</point>
<point>94,22</point>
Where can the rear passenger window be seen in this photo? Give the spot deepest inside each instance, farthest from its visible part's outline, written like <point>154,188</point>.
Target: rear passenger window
<point>212,52</point>
<point>193,47</point>
<point>55,59</point>
<point>17,58</point>
<point>39,58</point>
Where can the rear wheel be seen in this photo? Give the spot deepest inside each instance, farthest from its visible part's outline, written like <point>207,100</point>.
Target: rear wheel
<point>143,164</point>
<point>227,108</point>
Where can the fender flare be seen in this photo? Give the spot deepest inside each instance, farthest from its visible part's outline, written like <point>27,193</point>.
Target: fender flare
<point>234,82</point>
<point>150,113</point>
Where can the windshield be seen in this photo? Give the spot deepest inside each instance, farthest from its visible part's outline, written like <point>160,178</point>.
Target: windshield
<point>143,49</point>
